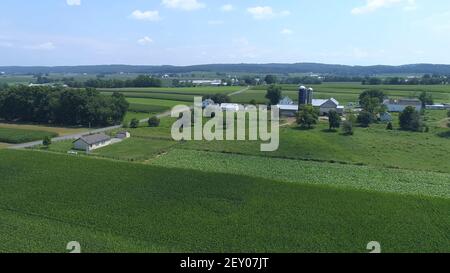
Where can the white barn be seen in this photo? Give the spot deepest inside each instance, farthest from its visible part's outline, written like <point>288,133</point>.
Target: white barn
<point>91,142</point>
<point>325,106</point>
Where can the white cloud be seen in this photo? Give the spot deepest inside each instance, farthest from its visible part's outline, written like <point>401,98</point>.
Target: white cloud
<point>374,5</point>
<point>183,4</point>
<point>145,41</point>
<point>227,8</point>
<point>266,12</point>
<point>149,15</point>
<point>287,31</point>
<point>73,2</point>
<point>44,46</point>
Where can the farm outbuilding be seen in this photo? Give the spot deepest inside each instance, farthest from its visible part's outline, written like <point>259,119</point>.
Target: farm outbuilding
<point>123,135</point>
<point>91,142</point>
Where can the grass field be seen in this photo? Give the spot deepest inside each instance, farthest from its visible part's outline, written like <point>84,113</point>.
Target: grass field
<point>349,92</point>
<point>116,207</point>
<point>61,131</point>
<point>16,136</point>
<point>171,94</point>
<point>152,105</point>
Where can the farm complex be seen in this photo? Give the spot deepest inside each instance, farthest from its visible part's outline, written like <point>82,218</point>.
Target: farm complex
<point>356,163</point>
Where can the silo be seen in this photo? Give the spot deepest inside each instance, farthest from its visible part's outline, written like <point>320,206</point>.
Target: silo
<point>302,95</point>
<point>310,95</point>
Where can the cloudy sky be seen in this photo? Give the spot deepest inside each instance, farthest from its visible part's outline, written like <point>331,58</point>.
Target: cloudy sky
<point>184,32</point>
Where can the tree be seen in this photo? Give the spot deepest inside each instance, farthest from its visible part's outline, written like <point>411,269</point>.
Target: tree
<point>347,128</point>
<point>218,98</point>
<point>47,141</point>
<point>134,123</point>
<point>274,94</point>
<point>365,118</point>
<point>448,113</point>
<point>372,101</point>
<point>154,121</point>
<point>307,117</point>
<point>334,120</point>
<point>426,99</point>
<point>389,126</point>
<point>271,79</point>
<point>410,120</point>
<point>253,102</point>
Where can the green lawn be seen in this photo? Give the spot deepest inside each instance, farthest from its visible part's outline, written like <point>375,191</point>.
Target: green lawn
<point>135,149</point>
<point>48,200</point>
<point>15,136</point>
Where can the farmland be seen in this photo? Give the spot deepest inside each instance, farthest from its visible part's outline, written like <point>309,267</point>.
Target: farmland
<point>171,94</point>
<point>116,207</point>
<point>320,191</point>
<point>349,92</point>
<point>15,136</point>
<point>295,171</point>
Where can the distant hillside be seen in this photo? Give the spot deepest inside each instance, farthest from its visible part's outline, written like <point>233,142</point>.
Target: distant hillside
<point>239,68</point>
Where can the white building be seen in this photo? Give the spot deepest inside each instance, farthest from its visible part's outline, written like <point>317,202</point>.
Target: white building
<point>324,107</point>
<point>91,142</point>
<point>207,82</point>
<point>401,104</point>
<point>123,135</point>
<point>230,107</point>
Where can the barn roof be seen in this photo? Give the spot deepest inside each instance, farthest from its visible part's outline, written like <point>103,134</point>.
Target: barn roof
<point>94,139</point>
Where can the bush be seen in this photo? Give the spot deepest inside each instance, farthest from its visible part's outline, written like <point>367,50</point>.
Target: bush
<point>365,119</point>
<point>389,126</point>
<point>307,117</point>
<point>134,123</point>
<point>47,141</point>
<point>411,120</point>
<point>154,122</point>
<point>334,120</point>
<point>448,113</point>
<point>347,128</point>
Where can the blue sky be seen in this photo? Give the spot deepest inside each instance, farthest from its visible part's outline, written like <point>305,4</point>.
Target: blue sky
<point>184,32</point>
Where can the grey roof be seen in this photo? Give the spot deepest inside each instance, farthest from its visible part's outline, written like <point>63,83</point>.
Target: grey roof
<point>94,139</point>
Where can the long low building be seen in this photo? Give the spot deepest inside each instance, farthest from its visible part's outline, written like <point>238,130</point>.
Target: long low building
<point>400,105</point>
<point>91,142</point>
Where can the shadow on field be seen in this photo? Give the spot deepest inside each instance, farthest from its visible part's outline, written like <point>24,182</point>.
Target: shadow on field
<point>444,134</point>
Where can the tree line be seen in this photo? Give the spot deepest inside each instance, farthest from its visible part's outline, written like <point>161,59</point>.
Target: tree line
<point>426,79</point>
<point>62,106</point>
<point>139,81</point>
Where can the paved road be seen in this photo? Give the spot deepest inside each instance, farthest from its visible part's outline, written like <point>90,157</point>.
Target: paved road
<point>95,131</point>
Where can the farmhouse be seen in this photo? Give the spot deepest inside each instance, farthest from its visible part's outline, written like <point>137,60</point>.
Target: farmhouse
<point>400,105</point>
<point>91,142</point>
